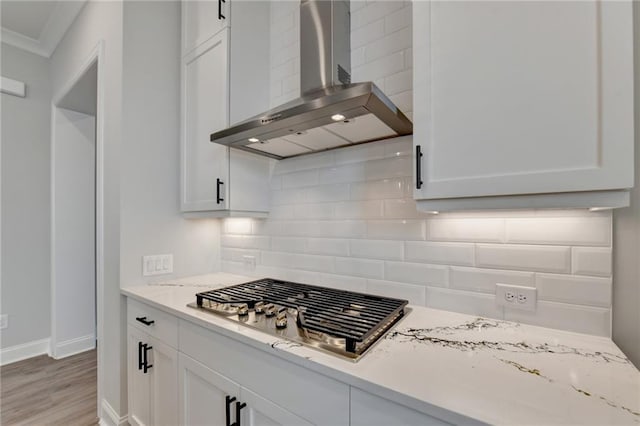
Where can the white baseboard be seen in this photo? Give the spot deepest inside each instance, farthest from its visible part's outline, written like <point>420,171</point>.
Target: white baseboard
<point>73,346</point>
<point>109,417</point>
<point>24,351</point>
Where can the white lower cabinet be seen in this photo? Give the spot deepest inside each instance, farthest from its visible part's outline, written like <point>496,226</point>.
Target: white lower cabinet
<point>153,374</point>
<point>371,410</point>
<point>207,397</point>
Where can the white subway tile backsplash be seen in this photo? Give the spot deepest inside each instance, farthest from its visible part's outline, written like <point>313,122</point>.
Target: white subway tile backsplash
<point>574,231</point>
<point>359,267</point>
<point>398,20</point>
<point>388,168</point>
<point>347,219</point>
<point>377,249</point>
<point>289,244</point>
<point>463,301</point>
<point>485,280</point>
<point>581,319</point>
<point>330,246</point>
<point>298,261</point>
<point>343,282</point>
<point>445,253</point>
<point>468,229</point>
<point>323,193</point>
<point>377,190</point>
<point>237,226</point>
<point>300,179</point>
<point>524,257</point>
<point>417,273</point>
<point>415,294</point>
<point>365,35</point>
<point>402,208</point>
<point>343,174</point>
<point>390,43</point>
<point>591,261</point>
<point>395,229</point>
<point>369,209</point>
<point>313,211</point>
<point>574,289</point>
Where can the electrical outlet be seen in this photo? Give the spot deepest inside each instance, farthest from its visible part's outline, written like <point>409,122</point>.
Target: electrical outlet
<point>249,263</point>
<point>4,321</point>
<point>516,297</point>
<point>157,264</point>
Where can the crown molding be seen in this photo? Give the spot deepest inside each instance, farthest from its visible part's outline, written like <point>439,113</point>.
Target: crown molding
<point>54,30</point>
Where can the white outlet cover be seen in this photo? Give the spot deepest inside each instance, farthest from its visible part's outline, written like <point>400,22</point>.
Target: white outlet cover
<point>525,297</point>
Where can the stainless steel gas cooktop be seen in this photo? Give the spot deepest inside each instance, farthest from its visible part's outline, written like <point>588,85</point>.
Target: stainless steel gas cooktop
<point>337,321</point>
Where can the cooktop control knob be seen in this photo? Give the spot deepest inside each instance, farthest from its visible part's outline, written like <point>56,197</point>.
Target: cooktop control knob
<point>270,310</point>
<point>259,307</point>
<point>281,318</point>
<point>243,309</point>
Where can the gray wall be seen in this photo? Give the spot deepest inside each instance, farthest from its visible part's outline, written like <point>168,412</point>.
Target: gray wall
<point>25,199</point>
<point>626,241</point>
<point>102,21</point>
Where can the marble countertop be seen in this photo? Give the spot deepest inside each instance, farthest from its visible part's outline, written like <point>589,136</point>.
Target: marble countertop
<point>460,368</point>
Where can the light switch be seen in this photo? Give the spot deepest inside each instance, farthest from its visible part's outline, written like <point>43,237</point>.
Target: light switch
<point>157,264</point>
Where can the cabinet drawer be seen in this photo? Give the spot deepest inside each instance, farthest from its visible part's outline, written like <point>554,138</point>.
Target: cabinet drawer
<point>153,322</point>
<point>318,399</point>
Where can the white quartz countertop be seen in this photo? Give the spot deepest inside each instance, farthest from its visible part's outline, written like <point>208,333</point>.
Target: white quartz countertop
<point>457,367</point>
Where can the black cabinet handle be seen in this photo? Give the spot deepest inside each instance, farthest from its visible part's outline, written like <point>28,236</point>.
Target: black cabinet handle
<point>140,363</point>
<point>418,167</point>
<point>228,400</point>
<point>239,406</point>
<point>145,321</point>
<point>220,15</point>
<point>219,199</point>
<point>146,366</point>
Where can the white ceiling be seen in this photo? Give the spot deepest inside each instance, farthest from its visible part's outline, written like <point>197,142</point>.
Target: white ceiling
<point>37,26</point>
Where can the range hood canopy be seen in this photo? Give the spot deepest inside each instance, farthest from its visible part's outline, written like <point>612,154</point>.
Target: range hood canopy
<point>332,112</point>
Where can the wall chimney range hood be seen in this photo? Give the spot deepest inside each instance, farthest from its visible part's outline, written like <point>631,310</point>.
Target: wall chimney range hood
<point>332,112</point>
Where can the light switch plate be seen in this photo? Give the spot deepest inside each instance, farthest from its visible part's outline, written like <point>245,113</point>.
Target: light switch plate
<point>157,264</point>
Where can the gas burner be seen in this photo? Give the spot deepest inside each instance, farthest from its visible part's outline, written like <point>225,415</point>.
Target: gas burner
<point>337,321</point>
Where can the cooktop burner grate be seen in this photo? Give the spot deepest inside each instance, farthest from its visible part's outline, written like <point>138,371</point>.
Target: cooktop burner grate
<point>356,317</point>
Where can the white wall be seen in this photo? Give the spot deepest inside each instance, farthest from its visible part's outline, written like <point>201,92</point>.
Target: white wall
<point>73,222</point>
<point>150,220</point>
<point>347,219</point>
<point>626,237</point>
<point>25,199</point>
<point>102,21</point>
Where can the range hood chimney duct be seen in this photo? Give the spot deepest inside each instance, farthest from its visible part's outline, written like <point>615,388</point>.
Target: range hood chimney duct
<point>331,112</point>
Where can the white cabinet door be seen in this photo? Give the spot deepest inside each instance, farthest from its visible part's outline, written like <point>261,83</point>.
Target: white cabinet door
<point>259,411</point>
<point>205,100</point>
<point>201,20</point>
<point>203,393</point>
<point>163,383</point>
<point>371,410</point>
<point>153,396</point>
<point>523,97</point>
<point>139,382</point>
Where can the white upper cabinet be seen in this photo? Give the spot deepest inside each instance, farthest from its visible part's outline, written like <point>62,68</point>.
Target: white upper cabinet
<point>222,82</point>
<point>528,103</point>
<point>204,19</point>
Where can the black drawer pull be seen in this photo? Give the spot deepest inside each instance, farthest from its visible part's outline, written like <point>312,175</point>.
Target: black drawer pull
<point>418,167</point>
<point>146,366</point>
<point>228,399</point>
<point>219,199</point>
<point>220,15</point>
<point>140,363</point>
<point>145,321</point>
<point>239,406</point>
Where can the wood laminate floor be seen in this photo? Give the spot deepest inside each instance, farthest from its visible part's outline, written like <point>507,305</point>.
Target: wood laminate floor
<point>44,391</point>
